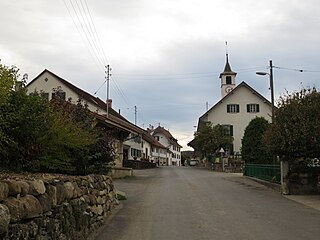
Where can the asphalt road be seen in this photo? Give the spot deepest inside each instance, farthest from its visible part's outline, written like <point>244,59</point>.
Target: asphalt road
<point>172,203</point>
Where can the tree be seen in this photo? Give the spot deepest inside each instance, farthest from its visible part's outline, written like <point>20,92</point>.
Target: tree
<point>254,149</point>
<point>26,120</point>
<point>295,133</point>
<point>8,78</point>
<point>71,138</point>
<point>86,149</point>
<point>55,136</point>
<point>103,151</point>
<point>211,138</point>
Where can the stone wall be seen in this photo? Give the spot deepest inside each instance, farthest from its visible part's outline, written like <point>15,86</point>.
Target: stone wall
<point>54,206</point>
<point>121,172</point>
<point>303,183</point>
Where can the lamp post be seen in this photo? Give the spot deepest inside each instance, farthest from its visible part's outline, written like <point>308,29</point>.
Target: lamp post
<point>271,87</point>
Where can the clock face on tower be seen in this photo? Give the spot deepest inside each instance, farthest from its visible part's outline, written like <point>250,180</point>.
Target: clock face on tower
<point>228,89</point>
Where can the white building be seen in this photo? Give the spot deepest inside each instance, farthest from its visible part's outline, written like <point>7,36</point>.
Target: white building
<point>238,105</point>
<point>166,139</point>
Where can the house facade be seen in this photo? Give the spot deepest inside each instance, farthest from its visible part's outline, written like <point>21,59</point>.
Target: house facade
<point>166,139</point>
<point>239,104</point>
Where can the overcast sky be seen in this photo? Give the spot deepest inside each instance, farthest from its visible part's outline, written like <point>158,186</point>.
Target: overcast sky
<point>166,56</point>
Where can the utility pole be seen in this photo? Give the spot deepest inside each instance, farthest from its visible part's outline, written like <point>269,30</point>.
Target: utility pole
<point>271,87</point>
<point>135,115</point>
<point>272,91</point>
<point>107,77</point>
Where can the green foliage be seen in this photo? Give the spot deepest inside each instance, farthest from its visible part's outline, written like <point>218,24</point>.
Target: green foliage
<point>103,151</point>
<point>25,122</point>
<point>186,156</point>
<point>295,133</point>
<point>77,147</point>
<point>210,138</point>
<point>254,149</point>
<point>8,77</point>
<point>55,136</point>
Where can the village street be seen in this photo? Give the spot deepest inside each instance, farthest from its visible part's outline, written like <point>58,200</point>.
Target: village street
<point>195,203</point>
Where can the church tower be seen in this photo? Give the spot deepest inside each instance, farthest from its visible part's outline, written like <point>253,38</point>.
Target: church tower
<point>228,79</point>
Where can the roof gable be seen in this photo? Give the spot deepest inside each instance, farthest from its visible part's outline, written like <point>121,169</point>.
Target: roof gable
<point>167,134</point>
<point>81,93</point>
<point>242,84</point>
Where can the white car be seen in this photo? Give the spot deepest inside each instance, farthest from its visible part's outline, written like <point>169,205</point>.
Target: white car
<point>193,162</point>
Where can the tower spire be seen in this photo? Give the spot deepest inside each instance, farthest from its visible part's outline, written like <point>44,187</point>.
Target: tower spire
<point>227,54</point>
<point>228,81</point>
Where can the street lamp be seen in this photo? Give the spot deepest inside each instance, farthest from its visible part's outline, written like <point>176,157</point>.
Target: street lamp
<point>271,87</point>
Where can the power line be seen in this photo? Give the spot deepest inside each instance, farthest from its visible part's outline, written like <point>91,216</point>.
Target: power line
<point>167,76</point>
<point>297,70</point>
<point>120,92</point>
<point>84,28</point>
<point>81,35</point>
<point>96,33</point>
<point>90,36</point>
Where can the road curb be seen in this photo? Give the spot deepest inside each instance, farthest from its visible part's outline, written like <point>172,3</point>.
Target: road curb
<point>274,186</point>
<point>108,218</point>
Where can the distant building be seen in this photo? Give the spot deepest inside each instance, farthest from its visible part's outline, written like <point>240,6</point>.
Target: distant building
<point>238,105</point>
<point>166,139</point>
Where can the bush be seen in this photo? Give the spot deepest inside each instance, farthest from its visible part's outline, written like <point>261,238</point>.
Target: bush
<point>254,149</point>
<point>56,136</point>
<point>295,133</point>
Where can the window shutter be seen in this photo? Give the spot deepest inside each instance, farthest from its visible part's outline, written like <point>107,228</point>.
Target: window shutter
<point>231,130</point>
<point>258,110</point>
<point>238,108</point>
<point>248,107</point>
<point>228,108</point>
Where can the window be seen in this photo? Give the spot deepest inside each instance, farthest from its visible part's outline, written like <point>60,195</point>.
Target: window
<point>135,152</point>
<point>45,95</point>
<point>233,108</point>
<point>157,138</point>
<point>59,94</point>
<point>253,108</point>
<point>228,129</point>
<point>228,79</point>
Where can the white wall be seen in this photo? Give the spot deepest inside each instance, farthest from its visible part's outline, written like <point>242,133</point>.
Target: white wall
<point>165,142</point>
<point>241,96</point>
<point>47,82</point>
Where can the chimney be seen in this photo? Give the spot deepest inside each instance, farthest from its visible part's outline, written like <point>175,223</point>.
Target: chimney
<point>109,103</point>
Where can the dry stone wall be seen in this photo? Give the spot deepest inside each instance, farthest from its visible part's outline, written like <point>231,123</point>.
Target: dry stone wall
<point>54,206</point>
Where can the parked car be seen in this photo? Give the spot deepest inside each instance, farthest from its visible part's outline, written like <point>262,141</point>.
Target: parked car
<point>193,162</point>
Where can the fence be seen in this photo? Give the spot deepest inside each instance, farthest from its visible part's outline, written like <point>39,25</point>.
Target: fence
<point>271,173</point>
